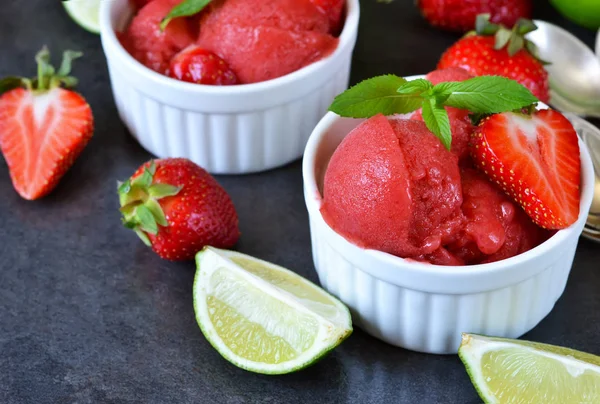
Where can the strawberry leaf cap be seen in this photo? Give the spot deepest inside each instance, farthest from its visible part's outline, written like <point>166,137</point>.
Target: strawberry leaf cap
<point>47,76</point>
<point>512,39</point>
<point>140,208</point>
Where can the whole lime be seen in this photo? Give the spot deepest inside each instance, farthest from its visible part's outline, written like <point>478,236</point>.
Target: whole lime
<point>582,12</point>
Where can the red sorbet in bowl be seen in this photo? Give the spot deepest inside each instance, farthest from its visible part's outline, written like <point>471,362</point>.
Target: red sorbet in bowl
<point>392,186</point>
<point>259,40</point>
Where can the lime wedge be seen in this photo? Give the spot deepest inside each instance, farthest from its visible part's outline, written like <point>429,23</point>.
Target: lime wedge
<point>262,317</point>
<point>512,371</point>
<point>85,13</point>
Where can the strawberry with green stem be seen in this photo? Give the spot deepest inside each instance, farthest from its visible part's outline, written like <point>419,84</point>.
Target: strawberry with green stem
<point>494,50</point>
<point>460,15</point>
<point>44,125</point>
<point>177,208</point>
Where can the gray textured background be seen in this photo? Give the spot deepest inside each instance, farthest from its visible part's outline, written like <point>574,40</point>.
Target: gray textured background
<point>89,315</point>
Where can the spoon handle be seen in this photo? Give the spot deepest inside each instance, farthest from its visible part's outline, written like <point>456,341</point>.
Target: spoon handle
<point>565,105</point>
<point>590,135</point>
<point>598,45</point>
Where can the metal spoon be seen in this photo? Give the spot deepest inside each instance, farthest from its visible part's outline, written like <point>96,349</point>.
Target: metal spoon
<point>591,137</point>
<point>598,45</point>
<point>574,72</point>
<point>574,75</point>
<point>592,227</point>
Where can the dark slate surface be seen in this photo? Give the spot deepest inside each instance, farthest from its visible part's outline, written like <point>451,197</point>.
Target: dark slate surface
<point>89,315</point>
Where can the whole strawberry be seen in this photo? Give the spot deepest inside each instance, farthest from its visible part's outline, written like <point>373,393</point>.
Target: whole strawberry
<point>460,15</point>
<point>197,65</point>
<point>496,51</point>
<point>44,125</point>
<point>177,208</point>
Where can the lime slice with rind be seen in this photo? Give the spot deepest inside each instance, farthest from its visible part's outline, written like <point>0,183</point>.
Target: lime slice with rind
<point>85,13</point>
<point>262,317</point>
<point>514,371</point>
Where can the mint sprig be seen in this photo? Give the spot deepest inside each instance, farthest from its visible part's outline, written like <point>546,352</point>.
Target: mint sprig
<point>374,96</point>
<point>485,94</point>
<point>417,86</point>
<point>437,121</point>
<point>389,95</point>
<point>186,8</point>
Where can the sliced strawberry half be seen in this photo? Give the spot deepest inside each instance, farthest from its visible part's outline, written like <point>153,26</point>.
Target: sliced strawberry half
<point>535,159</point>
<point>43,127</point>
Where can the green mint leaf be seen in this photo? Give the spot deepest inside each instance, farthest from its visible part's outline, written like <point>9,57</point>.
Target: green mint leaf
<point>437,121</point>
<point>485,94</point>
<point>415,87</point>
<point>186,8</point>
<point>146,220</point>
<point>377,95</point>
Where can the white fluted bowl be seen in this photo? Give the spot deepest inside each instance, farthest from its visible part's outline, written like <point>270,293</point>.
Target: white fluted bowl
<point>425,307</point>
<point>225,129</point>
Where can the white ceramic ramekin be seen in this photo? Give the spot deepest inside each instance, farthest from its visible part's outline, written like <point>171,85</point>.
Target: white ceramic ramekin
<point>226,130</point>
<point>426,307</point>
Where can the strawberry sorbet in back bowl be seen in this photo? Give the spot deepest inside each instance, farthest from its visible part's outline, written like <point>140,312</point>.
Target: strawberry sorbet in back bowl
<point>234,85</point>
<point>444,211</point>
